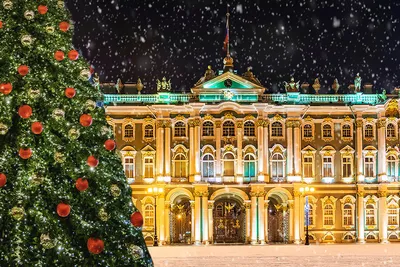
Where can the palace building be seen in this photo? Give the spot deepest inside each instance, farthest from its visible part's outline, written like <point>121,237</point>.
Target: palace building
<point>234,163</point>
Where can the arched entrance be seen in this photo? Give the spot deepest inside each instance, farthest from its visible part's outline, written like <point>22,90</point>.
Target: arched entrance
<point>278,218</point>
<point>181,221</point>
<point>229,221</point>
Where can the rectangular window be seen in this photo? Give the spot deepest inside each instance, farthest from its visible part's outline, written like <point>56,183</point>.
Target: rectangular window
<point>308,167</point>
<point>310,214</point>
<point>328,215</point>
<point>369,167</point>
<point>348,216</point>
<point>327,169</point>
<point>346,167</point>
<point>370,215</point>
<point>129,167</point>
<point>346,132</point>
<point>392,216</point>
<point>148,168</point>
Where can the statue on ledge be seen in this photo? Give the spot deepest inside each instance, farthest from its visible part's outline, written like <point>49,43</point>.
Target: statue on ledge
<point>357,83</point>
<point>119,86</point>
<point>248,75</point>
<point>164,85</point>
<point>292,86</point>
<point>208,75</point>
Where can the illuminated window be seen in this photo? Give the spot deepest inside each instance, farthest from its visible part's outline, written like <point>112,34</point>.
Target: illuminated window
<point>390,131</point>
<point>148,215</point>
<point>180,129</point>
<point>229,164</point>
<point>369,131</point>
<point>208,128</point>
<point>208,166</point>
<point>369,167</point>
<point>310,214</point>
<point>346,131</point>
<point>180,166</point>
<point>308,167</point>
<point>228,129</point>
<point>276,129</point>
<point>347,215</point>
<point>327,131</point>
<point>370,215</point>
<point>278,163</point>
<point>148,131</point>
<point>307,131</point>
<point>129,167</point>
<point>128,133</point>
<point>391,167</point>
<point>148,167</point>
<point>328,214</point>
<point>393,215</point>
<point>249,128</point>
<point>346,167</point>
<point>327,167</point>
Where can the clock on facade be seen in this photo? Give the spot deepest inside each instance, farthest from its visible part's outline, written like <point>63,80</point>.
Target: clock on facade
<point>228,83</point>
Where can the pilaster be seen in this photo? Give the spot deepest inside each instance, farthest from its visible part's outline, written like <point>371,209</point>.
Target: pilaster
<point>265,152</point>
<point>210,221</point>
<point>218,150</point>
<point>239,174</point>
<point>359,145</point>
<point>160,151</point>
<point>192,154</point>
<point>167,212</point>
<point>360,213</point>
<point>289,151</point>
<point>383,216</point>
<point>197,174</point>
<point>260,143</point>
<point>382,177</point>
<point>167,151</point>
<point>248,205</point>
<point>297,150</point>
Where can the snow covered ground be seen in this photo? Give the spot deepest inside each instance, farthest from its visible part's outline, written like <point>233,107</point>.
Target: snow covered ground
<point>347,255</point>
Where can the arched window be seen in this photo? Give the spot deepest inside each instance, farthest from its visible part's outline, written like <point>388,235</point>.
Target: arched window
<point>370,215</point>
<point>128,131</point>
<point>249,167</point>
<point>391,166</point>
<point>208,128</point>
<point>220,210</point>
<point>180,166</point>
<point>276,129</point>
<point>327,131</point>
<point>180,129</point>
<point>393,215</point>
<point>369,131</point>
<point>129,167</point>
<point>328,214</point>
<point>229,164</point>
<point>278,167</point>
<point>347,215</point>
<point>390,131</point>
<point>346,131</point>
<point>148,131</point>
<point>307,131</point>
<point>208,166</point>
<point>228,128</point>
<point>148,215</point>
<point>249,128</point>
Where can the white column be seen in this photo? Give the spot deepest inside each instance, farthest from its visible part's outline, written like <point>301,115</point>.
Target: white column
<point>261,219</point>
<point>218,150</point>
<point>266,212</point>
<point>289,151</point>
<point>260,141</point>
<point>239,169</point>
<point>382,177</point>
<point>383,217</point>
<point>360,213</point>
<point>192,160</point>
<point>291,220</point>
<point>160,151</point>
<point>254,237</point>
<point>210,221</point>
<point>192,222</point>
<point>247,205</point>
<point>197,218</point>
<point>205,218</point>
<point>161,219</point>
<point>166,221</point>
<point>359,148</point>
<point>297,196</point>
<point>265,151</point>
<point>297,151</point>
<point>167,152</point>
<point>197,155</point>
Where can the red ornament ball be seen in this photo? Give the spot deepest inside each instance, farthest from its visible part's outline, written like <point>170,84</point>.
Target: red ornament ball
<point>23,70</point>
<point>6,88</point>
<point>37,127</point>
<point>59,55</point>
<point>95,245</point>
<point>42,9</point>
<point>25,153</point>
<point>63,210</point>
<point>3,179</point>
<point>92,161</point>
<point>137,219</point>
<point>91,70</point>
<point>70,92</point>
<point>81,184</point>
<point>73,55</point>
<point>86,120</point>
<point>25,111</point>
<point>110,144</point>
<point>1,24</point>
<point>64,26</point>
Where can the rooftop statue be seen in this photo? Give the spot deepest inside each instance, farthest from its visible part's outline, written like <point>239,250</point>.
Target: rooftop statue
<point>316,85</point>
<point>119,86</point>
<point>164,85</point>
<point>248,75</point>
<point>357,83</point>
<point>335,86</point>
<point>208,75</point>
<point>292,86</point>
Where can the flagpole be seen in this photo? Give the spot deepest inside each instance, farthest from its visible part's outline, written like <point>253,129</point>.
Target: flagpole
<point>227,26</point>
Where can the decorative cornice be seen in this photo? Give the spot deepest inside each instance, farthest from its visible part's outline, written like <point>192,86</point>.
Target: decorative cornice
<point>196,122</point>
<point>180,117</point>
<point>359,123</point>
<point>382,194</point>
<point>208,117</point>
<point>201,193</point>
<point>381,123</point>
<point>257,193</point>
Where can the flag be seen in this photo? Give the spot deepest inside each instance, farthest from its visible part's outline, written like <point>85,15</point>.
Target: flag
<point>226,41</point>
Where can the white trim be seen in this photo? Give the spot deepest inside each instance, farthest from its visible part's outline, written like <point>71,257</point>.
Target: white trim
<point>325,202</point>
<point>348,200</point>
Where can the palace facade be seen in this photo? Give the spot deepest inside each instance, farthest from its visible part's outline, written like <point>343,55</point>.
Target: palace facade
<point>237,164</point>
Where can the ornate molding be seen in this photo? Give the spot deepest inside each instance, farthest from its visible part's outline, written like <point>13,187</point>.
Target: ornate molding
<point>229,116</point>
<point>359,123</point>
<point>218,124</point>
<point>201,193</point>
<point>296,123</point>
<point>257,193</point>
<point>239,124</point>
<point>179,117</point>
<point>191,123</point>
<point>196,122</point>
<point>208,117</point>
<point>381,123</point>
<point>382,194</point>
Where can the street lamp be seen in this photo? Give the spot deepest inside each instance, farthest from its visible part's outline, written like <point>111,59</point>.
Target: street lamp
<point>305,191</point>
<point>155,191</point>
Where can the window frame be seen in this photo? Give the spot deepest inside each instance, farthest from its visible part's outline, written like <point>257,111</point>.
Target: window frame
<point>180,129</point>
<point>208,162</point>
<point>227,130</point>
<point>183,163</point>
<point>278,179</point>
<point>148,221</point>
<point>230,160</point>
<point>249,161</point>
<point>275,130</point>
<point>369,134</point>
<point>209,127</point>
<point>249,130</point>
<point>331,200</point>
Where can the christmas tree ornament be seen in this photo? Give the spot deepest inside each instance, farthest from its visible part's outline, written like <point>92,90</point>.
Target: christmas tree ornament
<point>23,70</point>
<point>58,114</point>
<point>6,88</point>
<point>70,92</point>
<point>25,153</point>
<point>59,55</point>
<point>92,161</point>
<point>95,245</point>
<point>26,40</point>
<point>81,184</point>
<point>103,215</point>
<point>85,120</point>
<point>34,93</point>
<point>115,190</point>
<point>46,241</point>
<point>90,105</point>
<point>63,209</point>
<point>136,251</point>
<point>29,15</point>
<point>37,179</point>
<point>60,4</point>
<point>73,55</point>
<point>7,4</point>
<point>85,74</point>
<point>64,26</point>
<point>110,144</point>
<point>3,179</point>
<point>49,29</point>
<point>18,213</point>
<point>59,157</point>
<point>137,219</point>
<point>37,127</point>
<point>3,128</point>
<point>73,134</point>
<point>42,9</point>
<point>25,111</point>
<point>1,24</point>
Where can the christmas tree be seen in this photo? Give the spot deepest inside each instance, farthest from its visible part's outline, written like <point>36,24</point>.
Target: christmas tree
<point>63,194</point>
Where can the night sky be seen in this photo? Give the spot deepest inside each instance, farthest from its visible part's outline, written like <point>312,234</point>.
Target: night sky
<point>279,39</point>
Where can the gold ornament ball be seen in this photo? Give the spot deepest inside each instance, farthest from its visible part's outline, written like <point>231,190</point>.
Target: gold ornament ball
<point>60,4</point>
<point>3,129</point>
<point>73,134</point>
<point>105,131</point>
<point>37,179</point>
<point>46,241</point>
<point>17,213</point>
<point>58,114</point>
<point>34,93</point>
<point>50,29</point>
<point>26,40</point>
<point>103,215</point>
<point>7,4</point>
<point>115,190</point>
<point>85,74</point>
<point>137,252</point>
<point>29,15</point>
<point>90,105</point>
<point>59,157</point>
